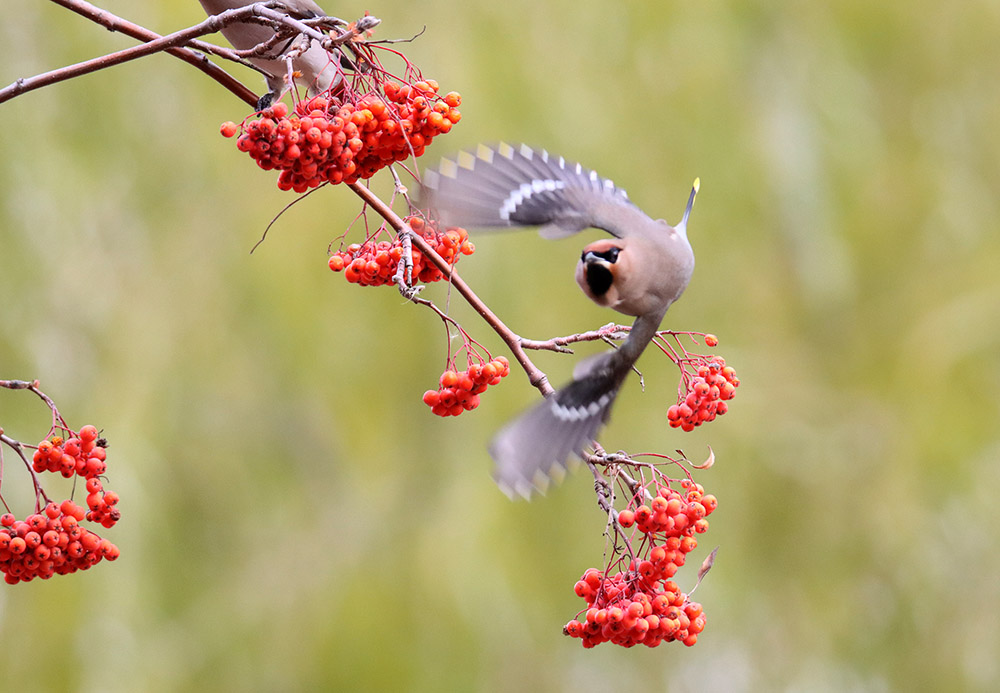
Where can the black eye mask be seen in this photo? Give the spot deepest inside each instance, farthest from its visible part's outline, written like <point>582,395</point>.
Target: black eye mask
<point>610,255</point>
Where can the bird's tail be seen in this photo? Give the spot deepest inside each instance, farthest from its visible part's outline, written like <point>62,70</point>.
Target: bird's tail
<point>533,449</point>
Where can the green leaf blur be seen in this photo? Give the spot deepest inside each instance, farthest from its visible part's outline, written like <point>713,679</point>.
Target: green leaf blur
<point>295,519</point>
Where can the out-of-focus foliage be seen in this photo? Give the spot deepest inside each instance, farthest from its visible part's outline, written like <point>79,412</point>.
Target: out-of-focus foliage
<point>294,518</point>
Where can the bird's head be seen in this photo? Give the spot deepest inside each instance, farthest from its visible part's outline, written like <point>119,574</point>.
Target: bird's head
<point>599,266</point>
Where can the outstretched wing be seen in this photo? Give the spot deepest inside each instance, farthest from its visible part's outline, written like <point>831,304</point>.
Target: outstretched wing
<point>517,186</point>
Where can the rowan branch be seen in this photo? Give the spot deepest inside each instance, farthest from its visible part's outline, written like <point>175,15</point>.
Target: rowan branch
<point>180,44</point>
<point>112,22</point>
<point>535,376</point>
<point>57,423</point>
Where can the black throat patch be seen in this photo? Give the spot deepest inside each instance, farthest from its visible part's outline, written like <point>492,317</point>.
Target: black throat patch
<point>597,274</point>
<point>599,278</point>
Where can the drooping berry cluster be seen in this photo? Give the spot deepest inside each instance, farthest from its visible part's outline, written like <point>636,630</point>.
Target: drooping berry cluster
<point>642,604</point>
<point>707,395</point>
<point>333,140</point>
<point>83,455</point>
<point>670,521</point>
<point>50,543</point>
<point>627,611</point>
<point>459,391</point>
<point>374,263</point>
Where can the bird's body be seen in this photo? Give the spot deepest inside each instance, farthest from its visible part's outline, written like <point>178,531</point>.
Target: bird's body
<point>640,272</point>
<point>316,70</point>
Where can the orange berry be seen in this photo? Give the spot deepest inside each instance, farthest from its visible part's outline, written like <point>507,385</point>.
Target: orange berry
<point>626,518</point>
<point>17,546</point>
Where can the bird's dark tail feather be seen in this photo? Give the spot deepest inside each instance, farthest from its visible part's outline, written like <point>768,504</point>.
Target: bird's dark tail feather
<point>533,449</point>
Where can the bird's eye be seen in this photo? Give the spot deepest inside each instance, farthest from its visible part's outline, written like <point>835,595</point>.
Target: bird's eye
<point>610,255</point>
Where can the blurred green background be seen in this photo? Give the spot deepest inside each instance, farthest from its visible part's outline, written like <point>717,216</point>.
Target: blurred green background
<point>295,518</point>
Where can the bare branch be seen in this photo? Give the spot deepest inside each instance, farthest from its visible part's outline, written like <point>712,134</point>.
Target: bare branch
<point>176,44</point>
<point>535,376</point>
<point>171,44</point>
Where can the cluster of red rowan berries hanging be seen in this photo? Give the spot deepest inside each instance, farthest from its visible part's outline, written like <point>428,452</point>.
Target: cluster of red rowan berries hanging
<point>49,543</point>
<point>340,139</point>
<point>642,605</point>
<point>53,542</point>
<point>374,263</point>
<point>83,455</point>
<point>707,395</point>
<point>459,391</point>
<point>627,611</point>
<point>669,521</point>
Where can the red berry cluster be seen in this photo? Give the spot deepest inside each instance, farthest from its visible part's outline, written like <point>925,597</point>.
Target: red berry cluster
<point>341,140</point>
<point>52,542</point>
<point>82,455</point>
<point>628,611</point>
<point>643,605</point>
<point>459,390</point>
<point>670,521</point>
<point>707,394</point>
<point>374,263</point>
<point>49,543</point>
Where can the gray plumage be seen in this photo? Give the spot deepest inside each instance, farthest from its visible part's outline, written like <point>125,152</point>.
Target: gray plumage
<point>639,272</point>
<point>318,71</point>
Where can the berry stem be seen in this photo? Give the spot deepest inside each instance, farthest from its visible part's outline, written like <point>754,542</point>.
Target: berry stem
<point>18,448</point>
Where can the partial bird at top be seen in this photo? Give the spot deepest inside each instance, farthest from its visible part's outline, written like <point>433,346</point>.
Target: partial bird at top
<point>316,70</point>
<point>640,272</point>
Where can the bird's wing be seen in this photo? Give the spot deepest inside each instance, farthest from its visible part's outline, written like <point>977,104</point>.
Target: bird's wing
<point>507,186</point>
